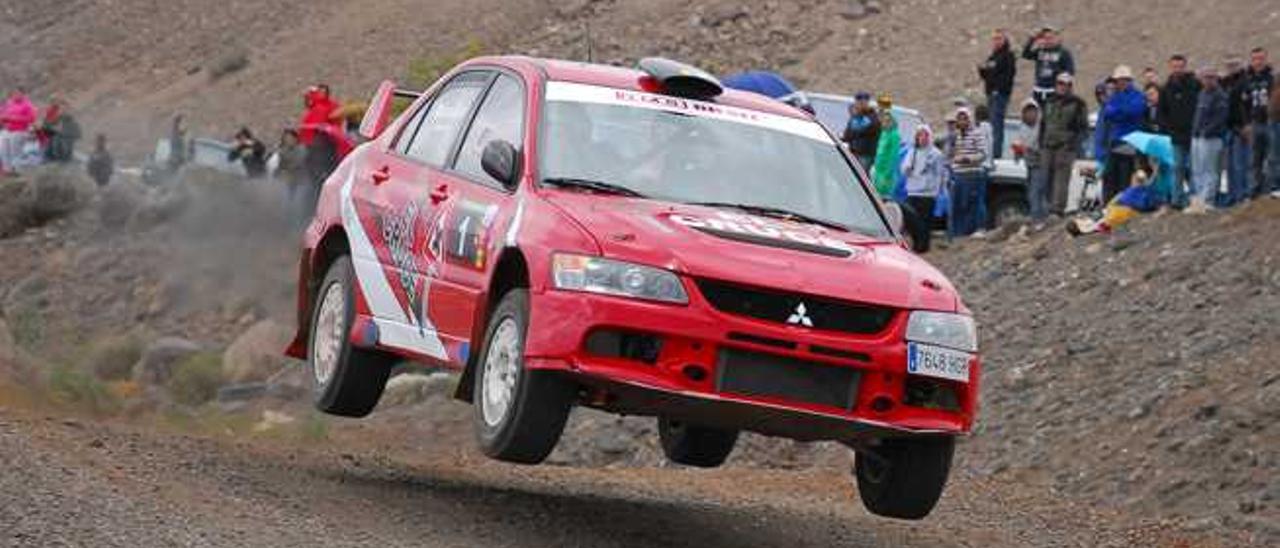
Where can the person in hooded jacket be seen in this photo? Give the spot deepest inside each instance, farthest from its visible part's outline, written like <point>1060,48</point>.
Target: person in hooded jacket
<point>925,170</point>
<point>1207,136</point>
<point>998,73</point>
<point>1123,114</point>
<point>885,172</point>
<point>1177,109</point>
<point>17,116</point>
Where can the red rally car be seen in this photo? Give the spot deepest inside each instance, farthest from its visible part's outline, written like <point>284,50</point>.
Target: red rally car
<point>643,242</point>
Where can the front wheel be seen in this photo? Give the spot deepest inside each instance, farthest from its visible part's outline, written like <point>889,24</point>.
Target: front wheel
<point>346,381</point>
<point>904,478</point>
<point>519,413</point>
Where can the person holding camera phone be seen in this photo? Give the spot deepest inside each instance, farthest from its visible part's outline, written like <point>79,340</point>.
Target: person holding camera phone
<point>1051,59</point>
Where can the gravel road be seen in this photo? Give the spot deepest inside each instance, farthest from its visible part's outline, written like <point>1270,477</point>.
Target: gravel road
<point>76,482</point>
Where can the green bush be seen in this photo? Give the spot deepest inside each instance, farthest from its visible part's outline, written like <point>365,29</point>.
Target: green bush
<point>113,358</point>
<point>27,327</point>
<point>196,379</point>
<point>69,385</point>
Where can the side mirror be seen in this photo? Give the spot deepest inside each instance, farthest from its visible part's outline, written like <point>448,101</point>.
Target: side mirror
<point>501,161</point>
<point>378,116</point>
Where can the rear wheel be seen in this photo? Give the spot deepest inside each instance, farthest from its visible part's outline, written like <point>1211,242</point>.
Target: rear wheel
<point>519,413</point>
<point>904,478</point>
<point>693,445</point>
<point>346,380</point>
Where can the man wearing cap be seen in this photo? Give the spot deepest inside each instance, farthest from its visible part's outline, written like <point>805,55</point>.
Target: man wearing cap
<point>1177,110</point>
<point>862,132</point>
<point>1207,133</point>
<point>1122,114</point>
<point>1051,59</point>
<point>1064,124</point>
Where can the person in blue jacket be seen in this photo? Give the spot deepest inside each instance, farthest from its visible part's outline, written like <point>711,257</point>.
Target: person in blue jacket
<point>1122,114</point>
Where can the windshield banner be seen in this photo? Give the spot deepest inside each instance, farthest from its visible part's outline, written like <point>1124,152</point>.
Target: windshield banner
<point>584,93</point>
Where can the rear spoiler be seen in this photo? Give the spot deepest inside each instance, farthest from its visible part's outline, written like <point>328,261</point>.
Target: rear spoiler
<point>378,115</point>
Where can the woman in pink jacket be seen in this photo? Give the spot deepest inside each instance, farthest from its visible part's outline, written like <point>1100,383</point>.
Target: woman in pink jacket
<point>17,115</point>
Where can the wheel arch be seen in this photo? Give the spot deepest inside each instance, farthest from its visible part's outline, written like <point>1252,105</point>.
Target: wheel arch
<point>332,245</point>
<point>510,272</point>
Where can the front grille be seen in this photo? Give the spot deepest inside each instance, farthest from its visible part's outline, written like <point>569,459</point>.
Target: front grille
<point>748,373</point>
<point>795,308</point>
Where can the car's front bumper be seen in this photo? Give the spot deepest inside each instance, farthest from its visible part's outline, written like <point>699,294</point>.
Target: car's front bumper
<point>696,335</point>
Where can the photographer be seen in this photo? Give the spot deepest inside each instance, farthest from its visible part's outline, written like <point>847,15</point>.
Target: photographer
<point>1051,59</point>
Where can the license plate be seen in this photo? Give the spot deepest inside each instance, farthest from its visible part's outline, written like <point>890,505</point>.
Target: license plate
<point>936,361</point>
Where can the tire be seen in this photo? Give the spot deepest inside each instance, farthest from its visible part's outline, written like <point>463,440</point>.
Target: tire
<point>346,381</point>
<point>905,477</point>
<point>519,413</point>
<point>693,445</point>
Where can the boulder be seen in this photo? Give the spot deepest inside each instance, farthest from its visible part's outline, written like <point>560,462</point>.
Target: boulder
<point>257,354</point>
<point>414,388</point>
<point>47,194</point>
<point>155,368</point>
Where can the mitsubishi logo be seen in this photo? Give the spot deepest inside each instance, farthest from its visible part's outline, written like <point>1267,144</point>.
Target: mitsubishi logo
<point>800,317</point>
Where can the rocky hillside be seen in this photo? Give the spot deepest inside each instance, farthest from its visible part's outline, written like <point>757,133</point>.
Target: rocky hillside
<point>129,65</point>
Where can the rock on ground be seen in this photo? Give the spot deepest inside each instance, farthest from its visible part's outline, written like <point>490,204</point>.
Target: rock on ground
<point>257,354</point>
<point>412,388</point>
<point>158,360</point>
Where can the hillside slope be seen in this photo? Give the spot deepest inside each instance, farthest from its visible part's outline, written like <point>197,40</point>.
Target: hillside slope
<point>129,65</point>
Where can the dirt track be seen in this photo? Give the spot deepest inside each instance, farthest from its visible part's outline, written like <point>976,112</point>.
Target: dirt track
<point>69,482</point>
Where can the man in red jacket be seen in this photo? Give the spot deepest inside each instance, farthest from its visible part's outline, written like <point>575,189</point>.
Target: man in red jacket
<point>321,110</point>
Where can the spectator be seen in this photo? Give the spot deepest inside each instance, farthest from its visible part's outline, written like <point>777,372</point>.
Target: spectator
<point>1123,114</point>
<point>1258,85</point>
<point>1150,77</point>
<point>982,118</point>
<point>1239,153</point>
<point>1066,122</point>
<point>1026,147</point>
<point>321,110</point>
<point>1177,111</point>
<point>1273,155</point>
<point>1051,59</point>
<point>58,133</point>
<point>997,74</point>
<point>886,164</point>
<point>291,169</point>
<point>101,166</point>
<point>968,159</point>
<point>1207,133</point>
<point>924,169</point>
<point>251,152</point>
<point>862,133</point>
<point>1151,124</point>
<point>1137,199</point>
<point>17,116</point>
<point>179,146</point>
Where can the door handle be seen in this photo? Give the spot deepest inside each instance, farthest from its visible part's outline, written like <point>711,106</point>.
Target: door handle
<point>440,194</point>
<point>381,175</point>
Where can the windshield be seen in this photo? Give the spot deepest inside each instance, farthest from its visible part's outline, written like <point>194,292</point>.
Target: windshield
<point>673,149</point>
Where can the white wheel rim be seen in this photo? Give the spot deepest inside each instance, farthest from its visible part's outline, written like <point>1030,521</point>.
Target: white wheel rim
<point>502,365</point>
<point>329,333</point>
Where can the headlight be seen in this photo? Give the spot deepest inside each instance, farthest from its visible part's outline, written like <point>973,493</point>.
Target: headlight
<point>950,330</point>
<point>599,275</point>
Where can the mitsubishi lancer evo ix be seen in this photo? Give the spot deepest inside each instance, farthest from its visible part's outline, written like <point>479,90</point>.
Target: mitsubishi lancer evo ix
<point>643,242</point>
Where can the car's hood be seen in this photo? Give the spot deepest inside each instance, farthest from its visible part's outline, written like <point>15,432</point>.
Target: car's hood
<point>728,245</point>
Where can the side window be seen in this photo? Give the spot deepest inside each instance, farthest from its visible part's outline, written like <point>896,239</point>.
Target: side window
<point>410,127</point>
<point>435,137</point>
<point>501,116</point>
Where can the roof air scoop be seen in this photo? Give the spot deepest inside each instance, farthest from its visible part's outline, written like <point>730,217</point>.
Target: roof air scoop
<point>680,79</point>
